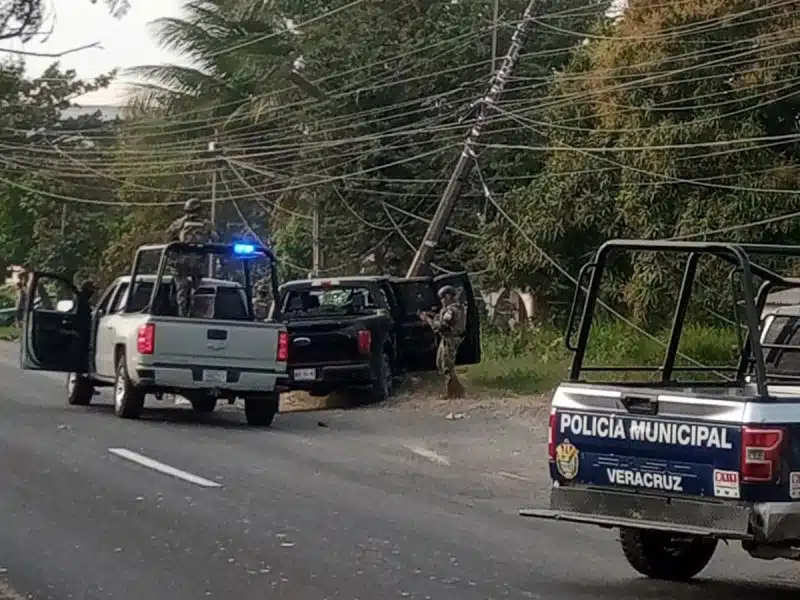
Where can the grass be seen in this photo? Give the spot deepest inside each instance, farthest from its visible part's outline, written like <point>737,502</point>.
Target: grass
<point>533,360</point>
<point>8,334</point>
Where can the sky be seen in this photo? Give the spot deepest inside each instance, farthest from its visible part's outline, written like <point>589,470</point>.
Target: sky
<point>125,42</point>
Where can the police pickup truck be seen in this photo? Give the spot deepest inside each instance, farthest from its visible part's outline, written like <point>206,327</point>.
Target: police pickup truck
<point>135,340</point>
<point>677,460</point>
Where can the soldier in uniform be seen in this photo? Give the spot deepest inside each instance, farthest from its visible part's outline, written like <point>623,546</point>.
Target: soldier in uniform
<point>450,324</point>
<point>191,227</point>
<point>262,300</point>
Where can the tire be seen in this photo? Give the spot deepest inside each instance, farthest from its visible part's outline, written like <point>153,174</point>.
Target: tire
<point>80,390</point>
<point>128,399</point>
<point>659,555</point>
<point>260,410</point>
<point>383,385</point>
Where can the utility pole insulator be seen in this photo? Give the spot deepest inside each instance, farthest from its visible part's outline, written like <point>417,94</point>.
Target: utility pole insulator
<point>465,162</point>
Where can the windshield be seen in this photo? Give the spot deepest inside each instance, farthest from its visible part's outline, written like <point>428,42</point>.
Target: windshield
<point>331,300</point>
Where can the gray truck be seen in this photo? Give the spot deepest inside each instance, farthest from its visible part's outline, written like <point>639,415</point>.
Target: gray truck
<point>134,340</point>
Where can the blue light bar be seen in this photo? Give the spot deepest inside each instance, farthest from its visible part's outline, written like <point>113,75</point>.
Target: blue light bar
<point>244,249</point>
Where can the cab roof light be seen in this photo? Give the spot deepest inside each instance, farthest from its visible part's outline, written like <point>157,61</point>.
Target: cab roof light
<point>241,249</point>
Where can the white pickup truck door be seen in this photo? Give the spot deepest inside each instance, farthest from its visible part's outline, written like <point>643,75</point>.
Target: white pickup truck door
<point>104,350</point>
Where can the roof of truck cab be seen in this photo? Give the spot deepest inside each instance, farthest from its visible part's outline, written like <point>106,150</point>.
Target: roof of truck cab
<point>319,282</point>
<point>204,281</point>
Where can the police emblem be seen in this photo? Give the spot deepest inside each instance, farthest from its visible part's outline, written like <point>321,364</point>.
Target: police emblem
<point>567,459</point>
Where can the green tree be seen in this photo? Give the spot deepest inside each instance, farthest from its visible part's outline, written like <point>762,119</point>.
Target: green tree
<point>648,127</point>
<point>34,181</point>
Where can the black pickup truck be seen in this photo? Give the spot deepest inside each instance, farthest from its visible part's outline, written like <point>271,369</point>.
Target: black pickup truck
<point>363,332</point>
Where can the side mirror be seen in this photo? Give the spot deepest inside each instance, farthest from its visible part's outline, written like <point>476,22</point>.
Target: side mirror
<point>64,305</point>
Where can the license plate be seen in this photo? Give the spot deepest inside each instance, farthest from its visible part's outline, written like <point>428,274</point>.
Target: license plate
<point>305,374</point>
<point>215,376</point>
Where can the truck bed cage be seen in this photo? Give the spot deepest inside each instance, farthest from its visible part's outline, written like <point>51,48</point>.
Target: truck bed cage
<point>255,251</point>
<point>752,302</point>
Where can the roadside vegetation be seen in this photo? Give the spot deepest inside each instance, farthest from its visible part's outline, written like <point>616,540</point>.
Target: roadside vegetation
<point>534,359</point>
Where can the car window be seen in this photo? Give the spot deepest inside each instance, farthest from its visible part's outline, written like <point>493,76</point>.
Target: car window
<point>332,299</point>
<point>783,330</point>
<point>416,296</point>
<point>105,299</point>
<point>141,296</point>
<point>231,304</point>
<point>118,301</point>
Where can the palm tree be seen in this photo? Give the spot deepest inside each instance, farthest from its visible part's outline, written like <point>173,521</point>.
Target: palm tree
<point>239,52</point>
<point>117,8</point>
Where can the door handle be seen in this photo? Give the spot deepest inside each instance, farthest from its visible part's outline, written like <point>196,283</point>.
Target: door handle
<point>109,326</point>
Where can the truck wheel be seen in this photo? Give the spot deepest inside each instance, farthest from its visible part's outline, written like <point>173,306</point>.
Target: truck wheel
<point>80,390</point>
<point>659,555</point>
<point>384,380</point>
<point>128,399</point>
<point>260,410</point>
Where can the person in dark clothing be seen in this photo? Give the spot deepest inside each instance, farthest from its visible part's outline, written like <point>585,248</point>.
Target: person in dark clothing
<point>22,297</point>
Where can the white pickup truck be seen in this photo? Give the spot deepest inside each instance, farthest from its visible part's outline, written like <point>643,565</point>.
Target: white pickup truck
<point>136,342</point>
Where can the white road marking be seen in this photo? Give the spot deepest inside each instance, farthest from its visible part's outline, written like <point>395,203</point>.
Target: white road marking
<point>429,454</point>
<point>162,468</point>
<point>514,476</point>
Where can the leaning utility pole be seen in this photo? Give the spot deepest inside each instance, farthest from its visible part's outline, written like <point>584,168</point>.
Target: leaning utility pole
<point>316,259</point>
<point>465,161</point>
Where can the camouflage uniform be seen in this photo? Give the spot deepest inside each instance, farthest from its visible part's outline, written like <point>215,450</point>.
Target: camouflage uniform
<point>450,325</point>
<point>191,227</point>
<point>262,300</point>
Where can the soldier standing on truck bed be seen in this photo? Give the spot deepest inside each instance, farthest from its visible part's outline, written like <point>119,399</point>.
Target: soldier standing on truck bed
<point>191,227</point>
<point>450,323</point>
<point>263,299</point>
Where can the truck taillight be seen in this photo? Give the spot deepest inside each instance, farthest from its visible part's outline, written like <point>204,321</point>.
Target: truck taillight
<point>146,338</point>
<point>364,338</point>
<point>761,454</point>
<point>283,346</point>
<point>551,436</point>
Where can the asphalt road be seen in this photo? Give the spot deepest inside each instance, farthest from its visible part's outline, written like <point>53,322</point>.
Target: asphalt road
<point>378,504</point>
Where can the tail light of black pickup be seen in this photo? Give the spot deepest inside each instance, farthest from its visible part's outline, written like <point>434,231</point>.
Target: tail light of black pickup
<point>283,347</point>
<point>146,338</point>
<point>364,338</point>
<point>761,454</point>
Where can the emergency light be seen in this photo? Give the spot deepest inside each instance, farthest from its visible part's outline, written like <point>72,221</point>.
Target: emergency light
<point>244,249</point>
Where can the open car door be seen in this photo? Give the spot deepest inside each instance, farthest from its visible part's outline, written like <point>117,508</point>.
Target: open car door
<point>57,326</point>
<point>469,352</point>
<point>418,343</point>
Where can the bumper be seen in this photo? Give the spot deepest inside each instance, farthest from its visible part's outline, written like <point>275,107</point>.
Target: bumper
<point>191,378</point>
<point>767,522</point>
<point>330,377</point>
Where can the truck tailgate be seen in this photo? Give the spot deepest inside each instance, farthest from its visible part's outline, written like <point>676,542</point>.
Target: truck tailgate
<point>230,344</point>
<point>647,440</point>
<point>324,341</point>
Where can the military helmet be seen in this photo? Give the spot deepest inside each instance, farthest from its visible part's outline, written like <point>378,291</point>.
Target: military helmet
<point>192,205</point>
<point>445,291</point>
